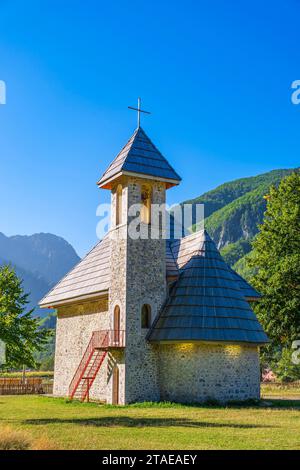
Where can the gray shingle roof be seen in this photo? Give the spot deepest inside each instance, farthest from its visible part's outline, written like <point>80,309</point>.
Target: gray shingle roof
<point>91,277</point>
<point>206,302</point>
<point>184,248</point>
<point>171,265</point>
<point>248,291</point>
<point>140,155</point>
<point>88,278</point>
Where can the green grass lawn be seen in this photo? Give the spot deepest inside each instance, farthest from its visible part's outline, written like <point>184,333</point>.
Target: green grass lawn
<point>281,390</point>
<point>274,424</point>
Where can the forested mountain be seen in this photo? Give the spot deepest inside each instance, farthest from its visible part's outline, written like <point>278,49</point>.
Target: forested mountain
<point>233,212</point>
<point>40,260</point>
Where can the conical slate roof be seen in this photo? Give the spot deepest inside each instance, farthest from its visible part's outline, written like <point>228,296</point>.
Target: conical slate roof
<point>248,291</point>
<point>140,156</point>
<point>206,302</point>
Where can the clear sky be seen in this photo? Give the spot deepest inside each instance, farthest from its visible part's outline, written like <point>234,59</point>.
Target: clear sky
<point>216,76</point>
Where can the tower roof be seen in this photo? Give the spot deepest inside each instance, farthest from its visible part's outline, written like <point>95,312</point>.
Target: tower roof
<point>206,302</point>
<point>140,157</point>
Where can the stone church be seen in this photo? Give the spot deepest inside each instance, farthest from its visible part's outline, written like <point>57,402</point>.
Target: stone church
<point>148,319</point>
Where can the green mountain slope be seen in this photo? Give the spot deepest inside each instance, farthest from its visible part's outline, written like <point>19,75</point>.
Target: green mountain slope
<point>239,219</point>
<point>234,210</point>
<point>228,192</point>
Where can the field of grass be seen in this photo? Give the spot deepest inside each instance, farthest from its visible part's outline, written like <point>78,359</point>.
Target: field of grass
<point>34,373</point>
<point>281,390</point>
<point>273,424</point>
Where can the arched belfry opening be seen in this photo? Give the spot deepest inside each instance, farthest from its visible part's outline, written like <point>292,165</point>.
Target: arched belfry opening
<point>146,200</point>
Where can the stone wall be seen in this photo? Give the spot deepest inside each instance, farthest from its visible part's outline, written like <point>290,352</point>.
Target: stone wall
<point>138,276</point>
<point>146,283</point>
<point>116,358</point>
<point>117,290</point>
<point>75,325</point>
<point>198,372</point>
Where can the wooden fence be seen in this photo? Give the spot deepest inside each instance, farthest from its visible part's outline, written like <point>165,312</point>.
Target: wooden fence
<point>31,386</point>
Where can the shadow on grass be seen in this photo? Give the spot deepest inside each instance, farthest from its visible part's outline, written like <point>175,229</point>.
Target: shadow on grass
<point>267,402</point>
<point>129,422</point>
<point>264,402</point>
<point>287,403</point>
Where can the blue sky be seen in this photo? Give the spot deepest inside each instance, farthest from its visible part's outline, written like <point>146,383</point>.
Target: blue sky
<point>215,75</point>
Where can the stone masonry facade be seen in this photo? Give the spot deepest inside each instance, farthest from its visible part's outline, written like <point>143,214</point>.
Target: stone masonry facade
<point>198,372</point>
<point>146,284</point>
<point>138,277</point>
<point>75,325</point>
<point>180,372</point>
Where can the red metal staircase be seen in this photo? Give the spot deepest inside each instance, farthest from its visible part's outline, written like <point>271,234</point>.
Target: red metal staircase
<point>92,360</point>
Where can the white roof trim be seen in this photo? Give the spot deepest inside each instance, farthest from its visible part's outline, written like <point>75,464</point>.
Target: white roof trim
<point>137,175</point>
<point>73,300</point>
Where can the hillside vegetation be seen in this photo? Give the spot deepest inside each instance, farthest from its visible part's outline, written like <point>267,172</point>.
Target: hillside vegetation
<point>233,212</point>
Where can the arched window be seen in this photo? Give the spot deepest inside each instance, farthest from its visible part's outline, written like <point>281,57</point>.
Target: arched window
<point>146,204</point>
<point>119,204</point>
<point>146,316</point>
<point>117,323</point>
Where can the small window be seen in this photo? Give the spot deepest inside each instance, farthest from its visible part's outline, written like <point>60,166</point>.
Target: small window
<point>119,204</point>
<point>146,316</point>
<point>146,205</point>
<point>117,318</point>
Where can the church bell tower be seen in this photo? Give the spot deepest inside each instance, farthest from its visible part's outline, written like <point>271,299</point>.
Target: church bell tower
<point>138,179</point>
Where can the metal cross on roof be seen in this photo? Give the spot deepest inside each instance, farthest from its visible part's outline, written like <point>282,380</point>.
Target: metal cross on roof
<point>139,111</point>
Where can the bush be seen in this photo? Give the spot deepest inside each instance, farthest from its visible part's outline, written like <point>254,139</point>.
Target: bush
<point>14,440</point>
<point>11,439</point>
<point>284,368</point>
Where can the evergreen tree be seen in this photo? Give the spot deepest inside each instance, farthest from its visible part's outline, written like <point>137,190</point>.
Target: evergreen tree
<point>19,330</point>
<point>276,257</point>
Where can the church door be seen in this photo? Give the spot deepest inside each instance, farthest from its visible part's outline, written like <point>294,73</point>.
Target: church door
<point>116,324</point>
<point>115,391</point>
